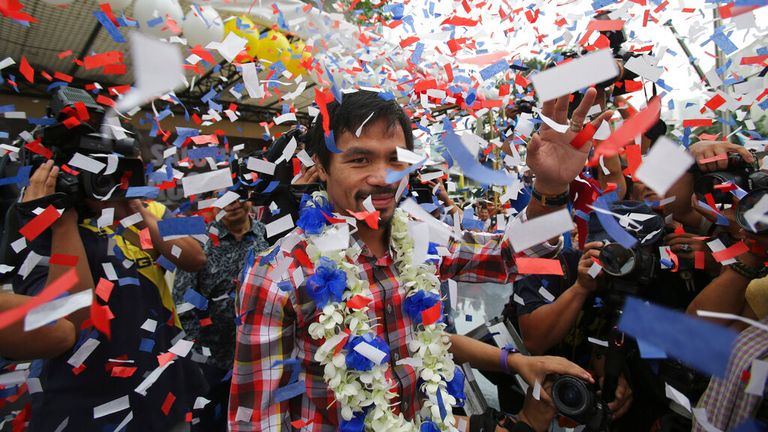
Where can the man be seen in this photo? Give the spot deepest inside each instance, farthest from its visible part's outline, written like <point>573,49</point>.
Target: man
<point>277,312</point>
<point>123,351</point>
<point>212,323</point>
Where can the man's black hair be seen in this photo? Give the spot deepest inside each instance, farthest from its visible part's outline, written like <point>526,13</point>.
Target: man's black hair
<point>351,113</point>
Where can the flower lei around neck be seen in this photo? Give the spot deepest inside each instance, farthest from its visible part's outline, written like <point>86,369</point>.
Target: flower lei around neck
<point>355,359</point>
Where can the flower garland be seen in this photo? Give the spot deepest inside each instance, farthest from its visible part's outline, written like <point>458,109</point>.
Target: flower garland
<point>355,360</point>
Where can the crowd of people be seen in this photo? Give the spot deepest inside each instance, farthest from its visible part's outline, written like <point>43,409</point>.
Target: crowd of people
<point>262,332</point>
<point>313,286</point>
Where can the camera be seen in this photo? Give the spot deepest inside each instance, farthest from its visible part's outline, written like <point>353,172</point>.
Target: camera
<point>421,191</point>
<point>752,210</point>
<point>578,400</point>
<point>75,128</point>
<point>628,269</point>
<point>743,174</point>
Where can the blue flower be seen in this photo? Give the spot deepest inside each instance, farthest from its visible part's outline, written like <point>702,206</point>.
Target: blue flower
<point>312,218</point>
<point>420,301</point>
<point>359,362</point>
<point>328,282</point>
<point>456,386</point>
<point>429,426</point>
<point>356,424</point>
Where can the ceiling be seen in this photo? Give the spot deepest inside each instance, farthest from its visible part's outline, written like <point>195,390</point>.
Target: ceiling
<point>74,27</point>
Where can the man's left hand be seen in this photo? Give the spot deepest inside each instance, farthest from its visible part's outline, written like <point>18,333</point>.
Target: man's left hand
<point>551,157</point>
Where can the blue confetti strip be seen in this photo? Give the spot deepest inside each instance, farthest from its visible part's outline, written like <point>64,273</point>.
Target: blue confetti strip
<point>184,226</point>
<point>109,26</point>
<point>195,298</point>
<point>142,192</point>
<point>703,345</point>
<point>494,69</point>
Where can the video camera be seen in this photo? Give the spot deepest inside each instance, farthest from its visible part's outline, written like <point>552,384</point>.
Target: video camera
<point>421,191</point>
<point>76,130</point>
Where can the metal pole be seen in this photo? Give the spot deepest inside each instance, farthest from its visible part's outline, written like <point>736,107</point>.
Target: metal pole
<point>719,62</point>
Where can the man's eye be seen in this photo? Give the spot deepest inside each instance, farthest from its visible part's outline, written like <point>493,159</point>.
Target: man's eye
<point>359,160</point>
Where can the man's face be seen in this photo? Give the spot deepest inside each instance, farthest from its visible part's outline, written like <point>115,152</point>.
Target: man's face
<point>237,213</point>
<point>361,169</point>
<point>641,192</point>
<point>483,214</point>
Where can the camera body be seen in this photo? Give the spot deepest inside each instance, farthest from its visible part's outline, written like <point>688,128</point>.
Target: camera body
<point>743,174</point>
<point>63,141</point>
<point>578,400</point>
<point>627,270</point>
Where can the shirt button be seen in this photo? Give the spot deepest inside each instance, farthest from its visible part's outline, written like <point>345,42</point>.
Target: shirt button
<point>389,308</point>
<point>396,356</point>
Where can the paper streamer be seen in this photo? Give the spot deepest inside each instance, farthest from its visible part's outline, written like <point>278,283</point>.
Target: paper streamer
<point>700,344</point>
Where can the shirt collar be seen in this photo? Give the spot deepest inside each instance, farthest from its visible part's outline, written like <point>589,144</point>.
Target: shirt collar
<point>224,232</point>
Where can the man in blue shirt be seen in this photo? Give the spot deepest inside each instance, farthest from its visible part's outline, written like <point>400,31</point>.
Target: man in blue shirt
<point>211,323</point>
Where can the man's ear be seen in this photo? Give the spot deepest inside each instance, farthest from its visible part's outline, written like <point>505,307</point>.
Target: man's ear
<point>321,172</point>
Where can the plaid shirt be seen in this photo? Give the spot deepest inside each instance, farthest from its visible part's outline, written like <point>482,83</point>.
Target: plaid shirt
<point>726,402</point>
<point>275,318</point>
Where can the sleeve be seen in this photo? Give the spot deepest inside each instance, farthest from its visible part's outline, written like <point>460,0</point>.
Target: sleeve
<point>478,257</point>
<point>181,281</point>
<point>265,335</point>
<point>528,291</point>
<point>540,250</point>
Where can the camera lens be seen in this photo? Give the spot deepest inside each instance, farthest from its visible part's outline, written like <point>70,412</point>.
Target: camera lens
<point>751,212</point>
<point>617,260</point>
<point>571,396</point>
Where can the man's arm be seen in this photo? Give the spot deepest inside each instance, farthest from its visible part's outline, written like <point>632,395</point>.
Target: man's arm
<point>65,237</point>
<point>487,357</point>
<point>548,324</point>
<point>726,293</point>
<point>265,335</point>
<point>191,259</point>
<point>45,342</point>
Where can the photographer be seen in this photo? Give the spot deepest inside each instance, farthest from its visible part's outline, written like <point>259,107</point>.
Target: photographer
<point>132,312</point>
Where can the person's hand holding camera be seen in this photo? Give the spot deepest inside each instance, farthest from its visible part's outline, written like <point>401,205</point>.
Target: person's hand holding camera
<point>704,150</point>
<point>538,414</point>
<point>584,280</point>
<point>42,183</point>
<point>686,245</point>
<point>308,175</point>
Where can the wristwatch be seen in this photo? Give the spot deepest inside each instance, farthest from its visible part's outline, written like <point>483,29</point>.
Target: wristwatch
<point>558,200</point>
<point>749,272</point>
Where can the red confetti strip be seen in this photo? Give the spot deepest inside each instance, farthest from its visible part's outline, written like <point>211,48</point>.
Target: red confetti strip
<point>698,260</point>
<point>431,315</point>
<point>40,223</point>
<point>358,302</point>
<point>100,317</point>
<point>64,260</point>
<point>104,289</point>
<point>123,371</point>
<point>731,252</point>
<point>697,122</point>
<point>626,133</point>
<point>166,408</point>
<point>26,70</point>
<point>539,266</point>
<point>37,148</point>
<point>584,136</point>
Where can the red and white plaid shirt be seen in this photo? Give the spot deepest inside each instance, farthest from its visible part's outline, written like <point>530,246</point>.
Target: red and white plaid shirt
<point>275,318</point>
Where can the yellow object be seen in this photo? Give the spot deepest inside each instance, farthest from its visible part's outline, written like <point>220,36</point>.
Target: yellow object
<point>247,30</point>
<point>272,47</point>
<point>757,296</point>
<point>293,58</point>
